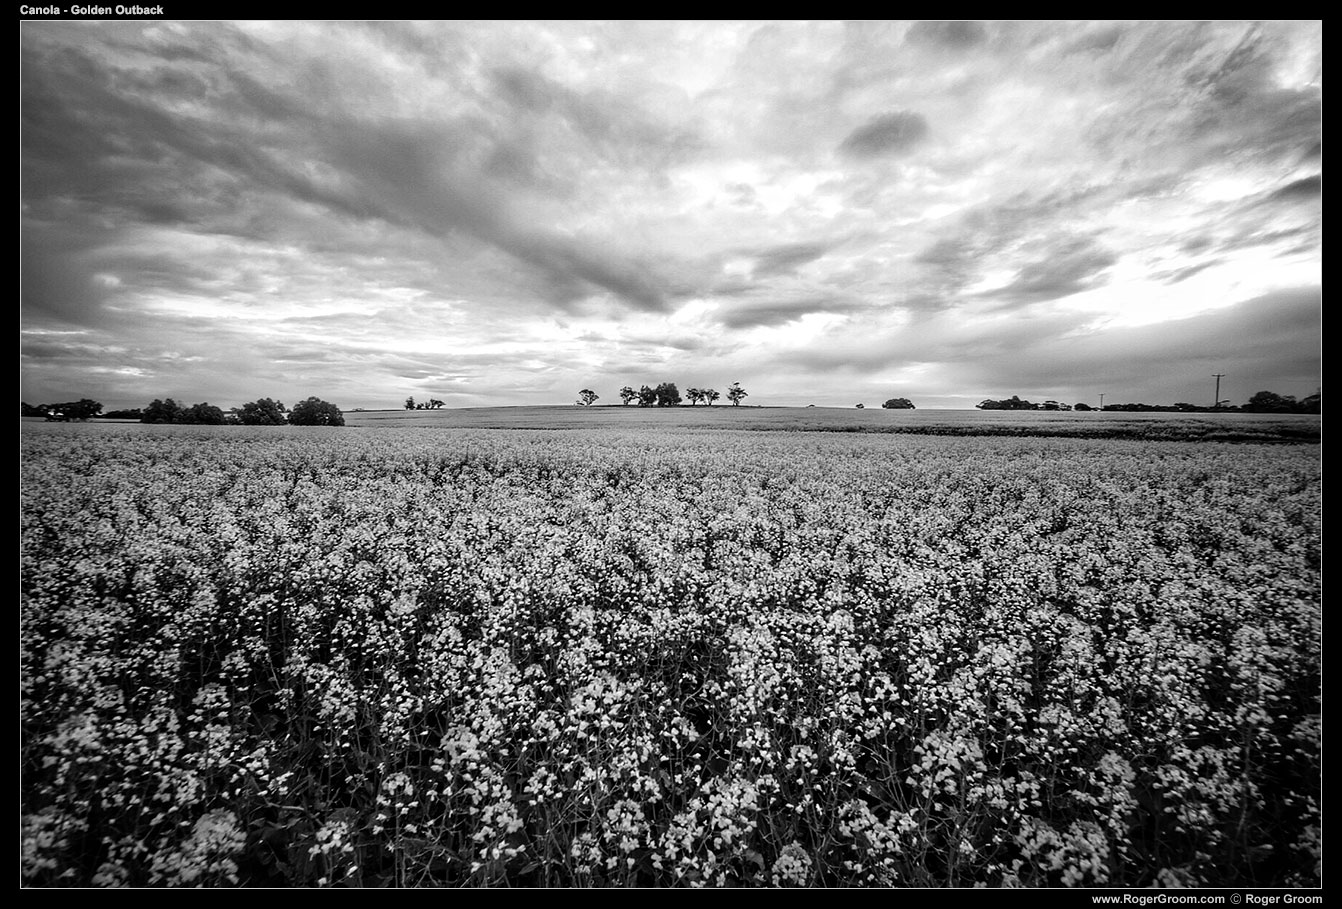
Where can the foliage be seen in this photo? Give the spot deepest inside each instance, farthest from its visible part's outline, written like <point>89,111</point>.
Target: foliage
<point>627,394</point>
<point>1012,403</point>
<point>1270,402</point>
<point>161,411</point>
<point>738,658</point>
<point>316,412</point>
<point>667,394</point>
<point>205,414</point>
<point>898,404</point>
<point>133,413</point>
<point>647,396</point>
<point>264,412</point>
<point>83,409</point>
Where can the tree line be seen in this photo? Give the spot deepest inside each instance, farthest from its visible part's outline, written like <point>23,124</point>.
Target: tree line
<point>264,412</point>
<point>1262,402</point>
<point>667,395</point>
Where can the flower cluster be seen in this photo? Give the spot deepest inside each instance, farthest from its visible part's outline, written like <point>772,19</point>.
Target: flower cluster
<point>659,658</point>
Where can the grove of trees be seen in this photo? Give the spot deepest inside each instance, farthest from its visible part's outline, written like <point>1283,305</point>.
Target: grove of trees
<point>1261,402</point>
<point>316,412</point>
<point>83,409</point>
<point>668,395</point>
<point>264,412</point>
<point>1012,403</point>
<point>1268,402</point>
<point>898,404</point>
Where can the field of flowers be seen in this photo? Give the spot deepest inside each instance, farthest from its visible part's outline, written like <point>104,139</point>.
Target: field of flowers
<point>640,657</point>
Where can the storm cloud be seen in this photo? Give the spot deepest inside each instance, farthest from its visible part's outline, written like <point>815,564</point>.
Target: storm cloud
<point>505,212</point>
<point>886,134</point>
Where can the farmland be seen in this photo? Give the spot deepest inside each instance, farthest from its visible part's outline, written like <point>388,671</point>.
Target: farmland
<point>687,649</point>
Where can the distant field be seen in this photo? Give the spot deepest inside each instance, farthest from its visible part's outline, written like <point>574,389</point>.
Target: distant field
<point>1231,427</point>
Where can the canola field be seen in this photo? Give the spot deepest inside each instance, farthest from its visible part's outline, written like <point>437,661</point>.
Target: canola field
<point>639,656</point>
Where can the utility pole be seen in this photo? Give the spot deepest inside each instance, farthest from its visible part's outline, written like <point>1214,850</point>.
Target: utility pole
<point>1102,394</point>
<point>1216,401</point>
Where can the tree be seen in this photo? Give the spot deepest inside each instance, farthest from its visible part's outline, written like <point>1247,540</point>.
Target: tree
<point>434,403</point>
<point>1084,406</point>
<point>205,414</point>
<point>710,395</point>
<point>410,404</point>
<point>87,409</point>
<point>898,404</point>
<point>627,394</point>
<point>647,396</point>
<point>861,407</point>
<point>161,411</point>
<point>133,413</point>
<point>1012,403</point>
<point>587,396</point>
<point>264,412</point>
<point>695,395</point>
<point>1269,402</point>
<point>668,395</point>
<point>316,412</point>
<point>735,393</point>
<point>83,409</point>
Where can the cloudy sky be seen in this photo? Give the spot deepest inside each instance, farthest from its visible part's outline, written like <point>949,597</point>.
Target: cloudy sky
<point>505,213</point>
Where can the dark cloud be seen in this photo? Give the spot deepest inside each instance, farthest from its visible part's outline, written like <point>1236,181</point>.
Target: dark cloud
<point>617,131</point>
<point>1069,267</point>
<point>1182,274</point>
<point>755,313</point>
<point>954,34</point>
<point>1238,105</point>
<point>987,234</point>
<point>887,134</point>
<point>786,259</point>
<point>946,252</point>
<point>1268,342</point>
<point>109,149</point>
<point>1253,235</point>
<point>743,194</point>
<point>1100,40</point>
<point>1304,188</point>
